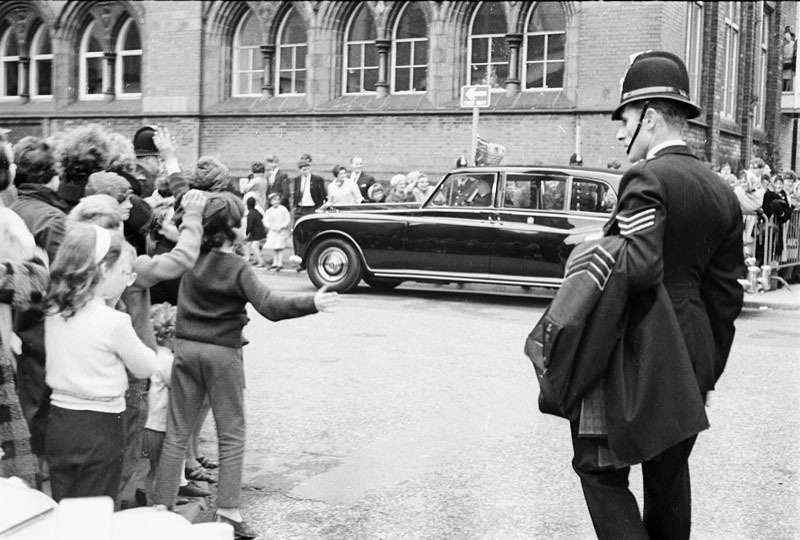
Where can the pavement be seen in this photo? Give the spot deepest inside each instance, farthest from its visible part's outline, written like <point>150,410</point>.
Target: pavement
<point>785,298</point>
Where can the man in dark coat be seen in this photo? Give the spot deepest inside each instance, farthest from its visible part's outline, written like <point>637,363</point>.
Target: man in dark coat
<point>683,229</point>
<point>362,179</point>
<point>276,177</point>
<point>43,211</point>
<point>304,193</point>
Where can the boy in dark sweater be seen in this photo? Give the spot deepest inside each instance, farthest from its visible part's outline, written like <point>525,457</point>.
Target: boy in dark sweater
<point>208,353</point>
<point>256,234</point>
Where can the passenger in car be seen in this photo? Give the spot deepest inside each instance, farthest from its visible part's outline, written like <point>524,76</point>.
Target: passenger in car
<point>482,195</point>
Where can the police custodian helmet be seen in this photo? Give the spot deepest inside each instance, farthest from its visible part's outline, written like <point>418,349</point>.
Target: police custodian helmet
<point>143,144</point>
<point>656,75</point>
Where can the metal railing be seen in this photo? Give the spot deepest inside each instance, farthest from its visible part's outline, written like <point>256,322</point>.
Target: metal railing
<point>777,245</point>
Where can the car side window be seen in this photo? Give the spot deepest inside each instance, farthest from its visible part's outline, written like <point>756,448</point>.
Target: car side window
<point>465,190</point>
<point>532,192</point>
<point>591,196</point>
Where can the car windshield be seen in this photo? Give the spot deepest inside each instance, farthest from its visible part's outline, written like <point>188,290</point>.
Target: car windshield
<point>465,189</point>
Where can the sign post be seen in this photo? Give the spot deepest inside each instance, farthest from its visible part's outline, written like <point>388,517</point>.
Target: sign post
<point>475,97</point>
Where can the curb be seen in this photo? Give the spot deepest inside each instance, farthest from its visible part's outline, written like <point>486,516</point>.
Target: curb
<point>766,304</point>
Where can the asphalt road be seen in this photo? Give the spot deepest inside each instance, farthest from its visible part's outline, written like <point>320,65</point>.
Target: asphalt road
<point>413,414</point>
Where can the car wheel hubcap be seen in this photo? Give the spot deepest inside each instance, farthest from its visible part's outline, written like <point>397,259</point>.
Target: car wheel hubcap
<point>332,264</point>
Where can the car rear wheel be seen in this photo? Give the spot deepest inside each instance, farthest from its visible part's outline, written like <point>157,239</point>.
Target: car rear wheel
<point>335,263</point>
<point>382,284</point>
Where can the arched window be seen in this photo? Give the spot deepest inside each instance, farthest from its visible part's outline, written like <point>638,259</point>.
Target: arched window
<point>9,57</point>
<point>488,51</point>
<point>292,47</point>
<point>360,54</point>
<point>129,60</point>
<point>544,46</point>
<point>247,64</point>
<point>41,64</point>
<point>91,74</point>
<point>410,73</point>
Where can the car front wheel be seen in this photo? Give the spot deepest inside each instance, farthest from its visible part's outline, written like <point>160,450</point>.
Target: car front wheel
<point>334,262</point>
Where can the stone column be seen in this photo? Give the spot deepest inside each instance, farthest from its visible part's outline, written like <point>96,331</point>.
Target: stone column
<point>24,89</point>
<point>514,41</point>
<point>268,55</point>
<point>382,86</point>
<point>109,74</point>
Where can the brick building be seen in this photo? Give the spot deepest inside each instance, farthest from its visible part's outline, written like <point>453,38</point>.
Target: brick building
<point>382,78</point>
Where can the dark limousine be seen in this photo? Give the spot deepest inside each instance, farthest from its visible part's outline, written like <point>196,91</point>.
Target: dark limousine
<point>504,225</point>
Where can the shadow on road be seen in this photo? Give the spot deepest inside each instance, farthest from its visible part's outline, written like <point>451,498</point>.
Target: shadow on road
<point>470,293</point>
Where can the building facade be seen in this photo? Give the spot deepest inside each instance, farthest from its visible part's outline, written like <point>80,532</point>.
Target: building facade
<point>382,79</point>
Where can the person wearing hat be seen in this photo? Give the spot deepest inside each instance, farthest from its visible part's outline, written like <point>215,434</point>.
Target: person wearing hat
<point>575,160</point>
<point>155,150</point>
<point>683,230</point>
<point>304,193</point>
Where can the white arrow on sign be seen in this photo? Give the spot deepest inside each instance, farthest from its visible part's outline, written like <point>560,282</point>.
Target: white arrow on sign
<point>475,92</point>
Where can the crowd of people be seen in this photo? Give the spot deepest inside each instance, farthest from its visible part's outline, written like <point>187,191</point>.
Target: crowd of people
<point>765,195</point>
<point>105,362</point>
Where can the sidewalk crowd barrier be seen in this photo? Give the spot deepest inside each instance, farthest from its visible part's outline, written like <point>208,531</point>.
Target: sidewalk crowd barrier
<point>780,242</point>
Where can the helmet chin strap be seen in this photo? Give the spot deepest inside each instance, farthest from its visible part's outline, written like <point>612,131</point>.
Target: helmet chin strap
<point>638,127</point>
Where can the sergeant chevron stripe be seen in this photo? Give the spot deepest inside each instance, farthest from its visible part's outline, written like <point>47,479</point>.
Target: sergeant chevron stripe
<point>636,222</point>
<point>596,263</point>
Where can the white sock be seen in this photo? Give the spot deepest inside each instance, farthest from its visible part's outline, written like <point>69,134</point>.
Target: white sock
<point>231,513</point>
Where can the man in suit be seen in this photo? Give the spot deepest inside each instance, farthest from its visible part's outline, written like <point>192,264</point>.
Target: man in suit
<point>361,179</point>
<point>276,178</point>
<point>683,228</point>
<point>304,193</point>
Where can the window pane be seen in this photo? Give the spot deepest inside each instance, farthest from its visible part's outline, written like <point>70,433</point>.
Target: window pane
<point>12,46</point>
<point>535,48</point>
<point>370,78</point>
<point>555,75</point>
<point>294,31</point>
<point>12,75</point>
<point>403,54</point>
<point>94,44</point>
<point>354,80</point>
<point>44,80</point>
<point>353,55</point>
<point>498,73</point>
<point>249,34</point>
<point>499,49</point>
<point>412,23</point>
<point>131,74</point>
<point>420,79</point>
<point>421,53</point>
<point>586,196</point>
<point>132,42</point>
<point>477,74</point>
<point>490,19</point>
<point>300,82</point>
<point>286,58</point>
<point>534,76</point>
<point>553,194</point>
<point>44,46</point>
<point>480,50</point>
<point>285,82</point>
<point>244,83</point>
<point>555,46</point>
<point>402,79</point>
<point>94,75</point>
<point>300,57</point>
<point>547,17</point>
<point>245,56</point>
<point>370,55</point>
<point>363,27</point>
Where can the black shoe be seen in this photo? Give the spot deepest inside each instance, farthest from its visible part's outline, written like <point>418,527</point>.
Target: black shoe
<point>240,529</point>
<point>140,497</point>
<point>193,490</point>
<point>207,463</point>
<point>200,474</point>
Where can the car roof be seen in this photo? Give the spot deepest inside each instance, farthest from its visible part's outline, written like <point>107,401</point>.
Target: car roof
<point>611,176</point>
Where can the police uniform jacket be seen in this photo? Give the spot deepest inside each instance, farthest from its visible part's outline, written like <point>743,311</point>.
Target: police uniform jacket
<point>683,228</point>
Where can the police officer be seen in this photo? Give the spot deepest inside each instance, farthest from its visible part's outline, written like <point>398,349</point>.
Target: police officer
<point>683,228</point>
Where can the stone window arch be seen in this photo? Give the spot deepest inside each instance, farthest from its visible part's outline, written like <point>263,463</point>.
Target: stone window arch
<point>9,58</point>
<point>292,48</point>
<point>129,60</point>
<point>247,62</point>
<point>488,52</point>
<point>41,74</point>
<point>360,70</point>
<point>544,47</point>
<point>410,55</point>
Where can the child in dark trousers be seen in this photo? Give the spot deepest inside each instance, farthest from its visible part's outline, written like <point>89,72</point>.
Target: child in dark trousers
<point>256,234</point>
<point>208,353</point>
